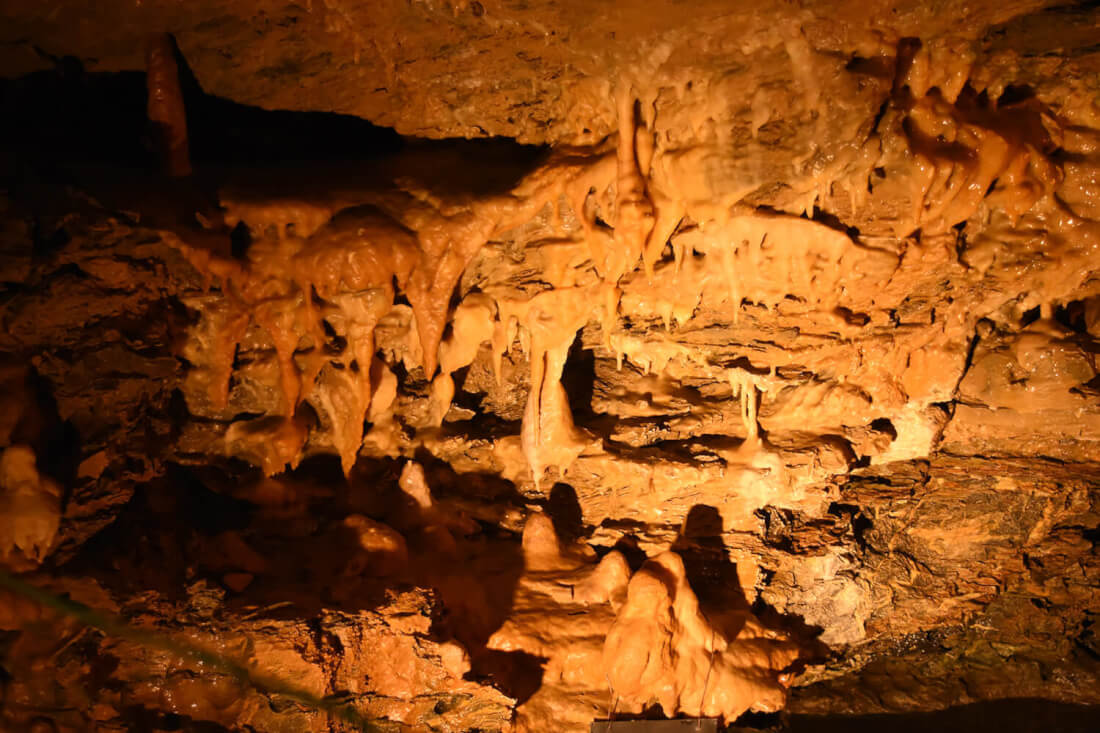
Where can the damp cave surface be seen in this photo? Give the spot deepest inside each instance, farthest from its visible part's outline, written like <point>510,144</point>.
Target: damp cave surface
<point>481,367</point>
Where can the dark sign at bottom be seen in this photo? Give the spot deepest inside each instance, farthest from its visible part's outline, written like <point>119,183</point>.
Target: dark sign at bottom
<point>699,725</point>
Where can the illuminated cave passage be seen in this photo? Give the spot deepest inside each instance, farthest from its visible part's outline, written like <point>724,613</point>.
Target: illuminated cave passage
<point>482,366</point>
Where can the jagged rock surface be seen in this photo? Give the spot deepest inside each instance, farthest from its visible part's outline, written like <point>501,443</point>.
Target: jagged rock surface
<point>810,302</point>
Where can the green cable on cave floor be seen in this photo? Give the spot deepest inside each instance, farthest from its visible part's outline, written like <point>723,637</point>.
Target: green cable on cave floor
<point>117,627</point>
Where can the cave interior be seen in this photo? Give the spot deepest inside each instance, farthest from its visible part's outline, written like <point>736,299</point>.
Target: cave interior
<point>543,366</point>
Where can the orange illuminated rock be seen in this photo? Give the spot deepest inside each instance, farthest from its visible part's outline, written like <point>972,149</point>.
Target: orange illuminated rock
<point>824,274</point>
<point>381,549</point>
<point>562,608</point>
<point>165,107</point>
<point>663,649</point>
<point>30,509</point>
<point>633,641</point>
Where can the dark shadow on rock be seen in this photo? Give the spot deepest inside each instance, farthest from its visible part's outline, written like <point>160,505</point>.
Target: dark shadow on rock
<point>564,509</point>
<point>517,674</point>
<point>712,575</point>
<point>487,489</point>
<point>477,583</point>
<point>628,547</point>
<point>751,722</point>
<point>717,583</point>
<point>579,379</point>
<point>1022,715</point>
<point>814,650</point>
<point>140,719</point>
<point>149,545</point>
<point>195,525</point>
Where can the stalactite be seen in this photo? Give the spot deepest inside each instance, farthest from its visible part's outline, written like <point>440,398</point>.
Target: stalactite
<point>165,108</point>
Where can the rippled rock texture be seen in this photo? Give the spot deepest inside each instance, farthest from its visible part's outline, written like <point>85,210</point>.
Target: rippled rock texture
<point>759,382</point>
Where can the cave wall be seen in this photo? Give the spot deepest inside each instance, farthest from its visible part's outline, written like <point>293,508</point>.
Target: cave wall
<point>791,327</point>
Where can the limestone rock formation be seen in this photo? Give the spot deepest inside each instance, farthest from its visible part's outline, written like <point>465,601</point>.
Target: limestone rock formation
<point>663,647</point>
<point>752,365</point>
<point>564,606</point>
<point>31,507</point>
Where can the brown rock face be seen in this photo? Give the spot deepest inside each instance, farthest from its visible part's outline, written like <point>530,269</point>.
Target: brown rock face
<point>768,382</point>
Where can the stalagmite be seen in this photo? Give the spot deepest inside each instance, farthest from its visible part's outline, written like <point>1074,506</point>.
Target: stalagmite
<point>632,644</point>
<point>662,648</point>
<point>30,509</point>
<point>562,608</point>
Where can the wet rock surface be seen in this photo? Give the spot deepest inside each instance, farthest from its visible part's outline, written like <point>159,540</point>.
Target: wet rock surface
<point>768,383</point>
